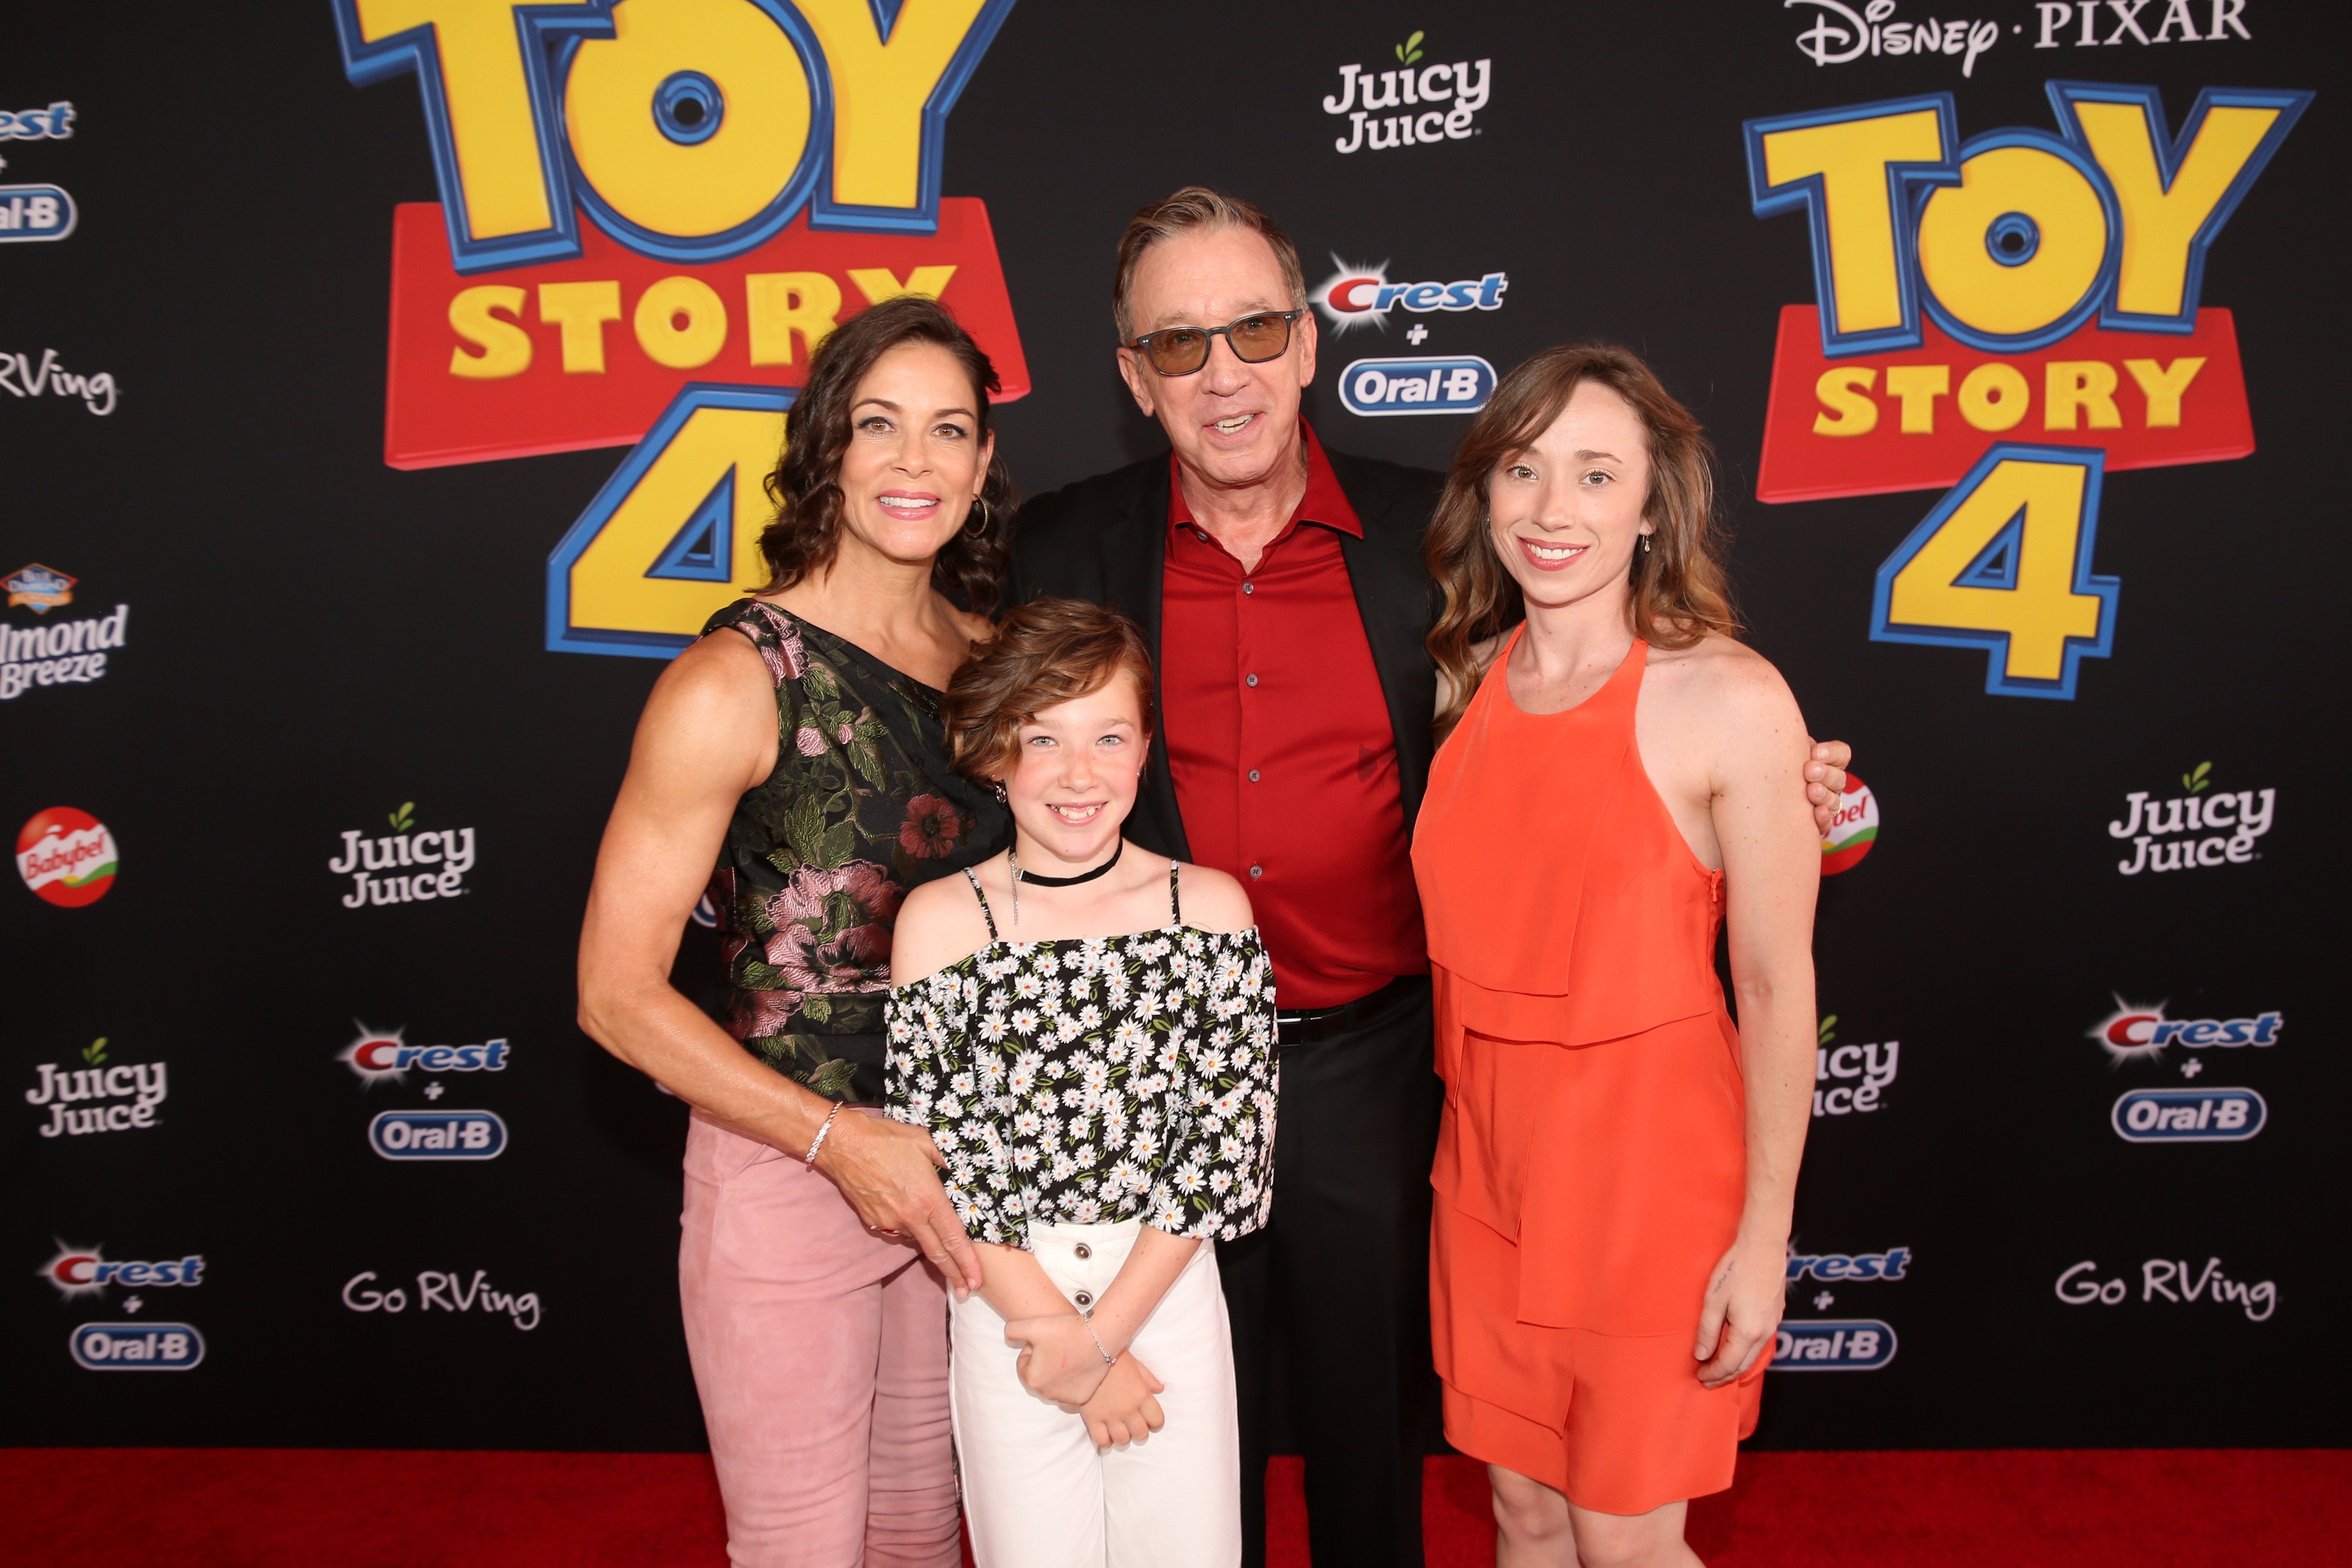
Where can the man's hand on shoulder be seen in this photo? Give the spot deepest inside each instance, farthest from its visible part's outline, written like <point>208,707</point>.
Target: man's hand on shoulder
<point>1825,781</point>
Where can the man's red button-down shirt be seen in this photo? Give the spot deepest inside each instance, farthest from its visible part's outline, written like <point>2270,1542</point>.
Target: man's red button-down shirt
<point>1279,740</point>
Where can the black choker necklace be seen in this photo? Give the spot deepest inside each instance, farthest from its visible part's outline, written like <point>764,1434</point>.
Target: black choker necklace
<point>1020,876</point>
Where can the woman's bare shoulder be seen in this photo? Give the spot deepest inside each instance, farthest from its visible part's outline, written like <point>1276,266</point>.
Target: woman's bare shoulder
<point>1214,900</point>
<point>1722,682</point>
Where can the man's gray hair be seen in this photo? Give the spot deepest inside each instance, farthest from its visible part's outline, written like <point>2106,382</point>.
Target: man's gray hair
<point>1197,208</point>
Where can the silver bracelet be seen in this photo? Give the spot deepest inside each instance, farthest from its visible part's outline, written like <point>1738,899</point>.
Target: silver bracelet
<point>818,1141</point>
<point>1108,1359</point>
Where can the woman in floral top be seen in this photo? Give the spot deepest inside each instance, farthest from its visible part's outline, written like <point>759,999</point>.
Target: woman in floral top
<point>1087,1031</point>
<point>797,747</point>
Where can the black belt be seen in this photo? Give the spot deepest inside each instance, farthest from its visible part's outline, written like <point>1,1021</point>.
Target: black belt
<point>1302,1026</point>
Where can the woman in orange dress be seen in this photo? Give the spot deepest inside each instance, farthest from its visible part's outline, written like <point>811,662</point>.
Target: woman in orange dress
<point>1617,1161</point>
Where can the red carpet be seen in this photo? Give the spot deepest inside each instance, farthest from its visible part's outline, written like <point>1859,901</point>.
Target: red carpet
<point>263,1508</point>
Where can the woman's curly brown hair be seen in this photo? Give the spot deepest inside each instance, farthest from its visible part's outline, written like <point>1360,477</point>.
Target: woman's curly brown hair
<point>807,531</point>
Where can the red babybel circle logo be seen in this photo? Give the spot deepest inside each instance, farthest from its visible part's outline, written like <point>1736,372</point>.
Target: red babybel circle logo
<point>67,857</point>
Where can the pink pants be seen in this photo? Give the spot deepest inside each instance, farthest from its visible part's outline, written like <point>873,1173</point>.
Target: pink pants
<point>821,1353</point>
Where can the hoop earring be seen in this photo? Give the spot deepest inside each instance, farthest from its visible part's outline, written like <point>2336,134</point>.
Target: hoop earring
<point>980,503</point>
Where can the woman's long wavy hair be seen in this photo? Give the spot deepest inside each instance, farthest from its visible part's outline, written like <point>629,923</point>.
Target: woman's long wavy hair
<point>1680,590</point>
<point>805,486</point>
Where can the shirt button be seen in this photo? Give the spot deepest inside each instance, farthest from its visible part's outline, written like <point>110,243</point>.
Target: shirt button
<point>1249,587</point>
<point>1257,870</point>
<point>1202,534</point>
<point>1249,680</point>
<point>1083,1250</point>
<point>1083,1299</point>
<point>1253,775</point>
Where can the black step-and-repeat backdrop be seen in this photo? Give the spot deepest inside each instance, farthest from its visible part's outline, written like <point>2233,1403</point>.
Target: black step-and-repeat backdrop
<point>386,385</point>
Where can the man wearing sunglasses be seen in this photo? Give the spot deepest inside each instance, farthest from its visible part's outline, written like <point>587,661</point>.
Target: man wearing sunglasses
<point>1282,589</point>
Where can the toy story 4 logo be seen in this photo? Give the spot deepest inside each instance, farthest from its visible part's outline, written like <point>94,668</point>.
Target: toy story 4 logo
<point>2039,290</point>
<point>750,172</point>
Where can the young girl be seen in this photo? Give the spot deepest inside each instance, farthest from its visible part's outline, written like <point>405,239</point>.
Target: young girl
<point>1087,1031</point>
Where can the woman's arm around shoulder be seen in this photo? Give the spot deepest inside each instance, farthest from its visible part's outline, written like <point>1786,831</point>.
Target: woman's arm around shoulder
<point>1213,900</point>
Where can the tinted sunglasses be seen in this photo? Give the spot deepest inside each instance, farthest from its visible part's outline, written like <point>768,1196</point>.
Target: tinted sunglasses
<point>1254,339</point>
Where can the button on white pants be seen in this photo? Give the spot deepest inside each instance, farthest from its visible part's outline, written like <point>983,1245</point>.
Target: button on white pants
<point>1037,1494</point>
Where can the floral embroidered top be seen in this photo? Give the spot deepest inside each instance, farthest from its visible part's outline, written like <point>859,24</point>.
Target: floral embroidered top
<point>1093,1080</point>
<point>861,808</point>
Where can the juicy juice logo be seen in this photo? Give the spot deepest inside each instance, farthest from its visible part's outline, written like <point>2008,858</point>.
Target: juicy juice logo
<point>2199,827</point>
<point>120,1095</point>
<point>2010,315</point>
<point>651,215</point>
<point>403,867</point>
<point>1439,101</point>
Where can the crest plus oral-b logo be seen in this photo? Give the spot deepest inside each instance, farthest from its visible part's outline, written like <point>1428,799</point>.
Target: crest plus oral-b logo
<point>1833,1344</point>
<point>439,1134</point>
<point>2188,1115</point>
<point>136,1347</point>
<point>1373,387</point>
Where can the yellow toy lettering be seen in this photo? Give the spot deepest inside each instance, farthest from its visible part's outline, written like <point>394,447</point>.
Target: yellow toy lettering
<point>778,304</point>
<point>878,283</point>
<point>494,135</point>
<point>2163,385</point>
<point>2083,385</point>
<point>2161,224</point>
<point>681,323</point>
<point>2017,246</point>
<point>1851,158</point>
<point>581,310</point>
<point>503,348</point>
<point>1918,386</point>
<point>1993,396</point>
<point>880,90</point>
<point>655,160</point>
<point>1845,410</point>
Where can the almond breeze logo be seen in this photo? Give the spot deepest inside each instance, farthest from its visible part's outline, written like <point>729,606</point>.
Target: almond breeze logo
<point>2199,827</point>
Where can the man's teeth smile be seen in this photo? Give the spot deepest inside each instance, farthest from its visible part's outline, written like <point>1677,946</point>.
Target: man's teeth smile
<point>1235,423</point>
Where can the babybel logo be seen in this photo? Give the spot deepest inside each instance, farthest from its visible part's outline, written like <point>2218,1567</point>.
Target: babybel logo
<point>438,1134</point>
<point>1852,830</point>
<point>444,857</point>
<point>1373,387</point>
<point>136,1347</point>
<point>35,212</point>
<point>2241,816</point>
<point>1447,97</point>
<point>2189,1115</point>
<point>67,857</point>
<point>1833,1344</point>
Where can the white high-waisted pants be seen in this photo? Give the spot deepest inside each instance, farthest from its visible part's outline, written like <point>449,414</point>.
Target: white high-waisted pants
<point>1037,1494</point>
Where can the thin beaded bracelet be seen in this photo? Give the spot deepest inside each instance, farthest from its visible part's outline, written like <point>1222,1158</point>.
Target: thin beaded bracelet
<point>818,1141</point>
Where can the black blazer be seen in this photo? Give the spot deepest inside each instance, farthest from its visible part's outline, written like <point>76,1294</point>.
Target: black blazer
<point>1106,538</point>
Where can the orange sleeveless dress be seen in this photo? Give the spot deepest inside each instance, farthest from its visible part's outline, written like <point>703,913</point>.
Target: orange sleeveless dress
<point>1591,1161</point>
